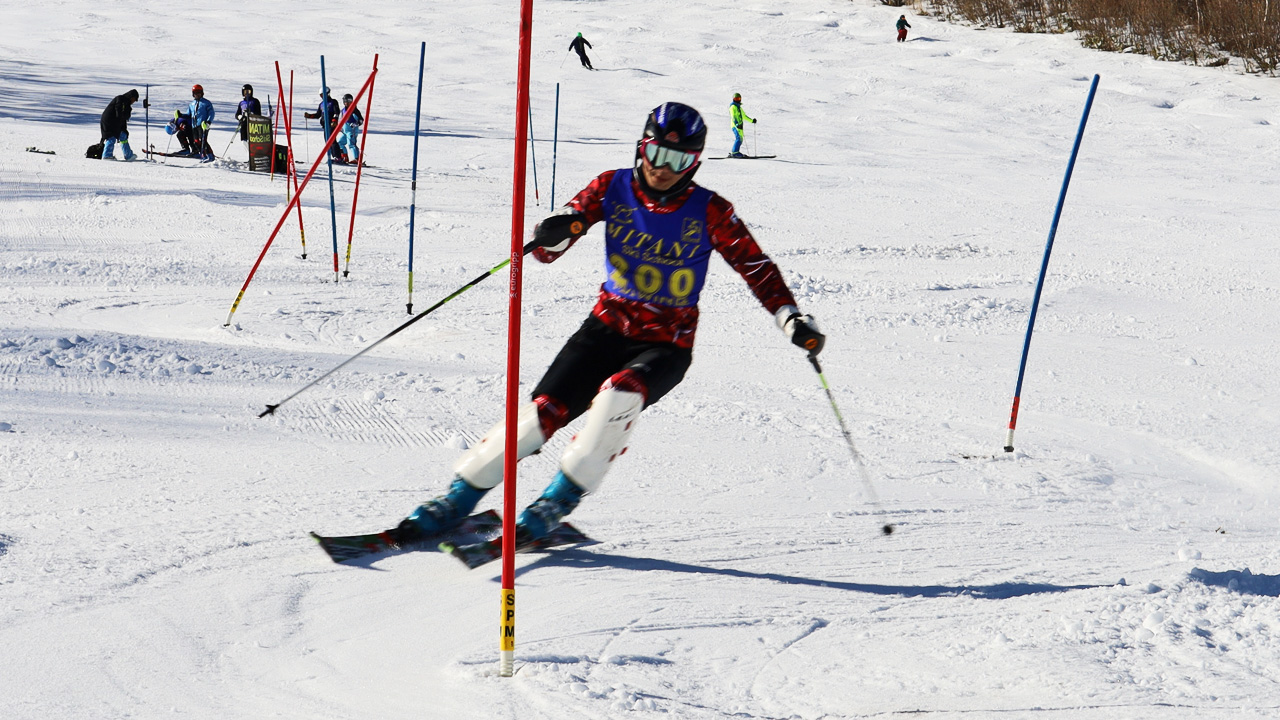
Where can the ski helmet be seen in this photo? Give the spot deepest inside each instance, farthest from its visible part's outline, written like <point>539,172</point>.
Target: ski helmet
<point>325,92</point>
<point>197,89</point>
<point>678,126</point>
<point>347,98</point>
<point>737,97</point>
<point>246,89</point>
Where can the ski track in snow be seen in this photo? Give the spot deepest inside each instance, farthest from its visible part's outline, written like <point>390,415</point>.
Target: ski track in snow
<point>1120,564</point>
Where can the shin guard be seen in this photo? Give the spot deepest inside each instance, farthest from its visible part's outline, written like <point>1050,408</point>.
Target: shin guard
<point>610,420</point>
<point>482,464</point>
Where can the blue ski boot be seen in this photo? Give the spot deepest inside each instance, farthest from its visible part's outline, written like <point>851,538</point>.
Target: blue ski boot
<point>540,518</point>
<point>438,515</point>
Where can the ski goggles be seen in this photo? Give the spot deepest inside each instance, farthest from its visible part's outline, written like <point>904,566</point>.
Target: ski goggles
<point>659,156</point>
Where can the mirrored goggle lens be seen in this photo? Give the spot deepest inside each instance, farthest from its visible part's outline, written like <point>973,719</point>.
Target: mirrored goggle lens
<point>677,160</point>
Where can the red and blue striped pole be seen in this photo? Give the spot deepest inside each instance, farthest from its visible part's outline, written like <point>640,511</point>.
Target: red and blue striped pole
<point>1044,266</point>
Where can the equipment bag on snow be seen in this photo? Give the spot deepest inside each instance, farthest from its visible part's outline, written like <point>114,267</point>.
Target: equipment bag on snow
<point>94,152</point>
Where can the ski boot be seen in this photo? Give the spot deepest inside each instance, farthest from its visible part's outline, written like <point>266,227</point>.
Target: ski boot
<point>545,514</point>
<point>438,515</point>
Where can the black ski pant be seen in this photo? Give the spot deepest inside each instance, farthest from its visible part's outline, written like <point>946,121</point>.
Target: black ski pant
<point>595,352</point>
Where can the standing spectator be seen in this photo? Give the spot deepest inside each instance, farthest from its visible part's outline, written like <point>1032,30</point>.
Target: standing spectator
<point>351,131</point>
<point>249,105</point>
<point>902,28</point>
<point>577,45</point>
<point>327,112</point>
<point>115,122</point>
<point>201,112</point>
<point>735,110</point>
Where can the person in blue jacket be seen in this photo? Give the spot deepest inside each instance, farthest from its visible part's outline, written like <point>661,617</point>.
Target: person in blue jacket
<point>201,112</point>
<point>349,138</point>
<point>328,112</point>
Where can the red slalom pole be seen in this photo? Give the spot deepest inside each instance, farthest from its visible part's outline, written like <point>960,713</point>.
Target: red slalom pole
<point>355,197</point>
<point>289,173</point>
<point>293,168</point>
<point>507,644</point>
<point>333,136</point>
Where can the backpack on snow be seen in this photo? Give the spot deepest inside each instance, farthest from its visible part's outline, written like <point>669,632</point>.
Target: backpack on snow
<point>94,152</point>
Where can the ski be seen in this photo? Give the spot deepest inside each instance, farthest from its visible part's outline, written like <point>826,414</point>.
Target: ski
<point>743,157</point>
<point>476,554</point>
<point>350,547</point>
<point>34,149</point>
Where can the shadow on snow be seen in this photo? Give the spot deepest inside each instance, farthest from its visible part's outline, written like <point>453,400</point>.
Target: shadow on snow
<point>998,591</point>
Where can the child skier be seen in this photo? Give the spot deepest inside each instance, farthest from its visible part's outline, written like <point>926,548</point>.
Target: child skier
<point>660,232</point>
<point>201,112</point>
<point>738,115</point>
<point>115,125</point>
<point>349,137</point>
<point>180,126</point>
<point>249,105</point>
<point>902,28</point>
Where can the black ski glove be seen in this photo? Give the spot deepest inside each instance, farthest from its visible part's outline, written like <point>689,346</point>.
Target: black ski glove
<point>754,121</point>
<point>801,330</point>
<point>557,230</point>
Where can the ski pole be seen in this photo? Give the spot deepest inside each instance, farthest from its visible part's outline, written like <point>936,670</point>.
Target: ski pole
<point>1044,266</point>
<point>235,132</point>
<point>271,409</point>
<point>555,139</point>
<point>566,57</point>
<point>533,150</point>
<point>146,108</point>
<point>887,528</point>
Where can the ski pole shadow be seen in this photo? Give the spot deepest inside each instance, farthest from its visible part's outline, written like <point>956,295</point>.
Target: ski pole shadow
<point>639,70</point>
<point>585,559</point>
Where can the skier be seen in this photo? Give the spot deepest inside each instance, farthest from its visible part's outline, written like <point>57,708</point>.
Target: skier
<point>635,346</point>
<point>115,125</point>
<point>201,112</point>
<point>249,105</point>
<point>327,110</point>
<point>902,28</point>
<point>736,111</point>
<point>577,45</point>
<point>350,132</point>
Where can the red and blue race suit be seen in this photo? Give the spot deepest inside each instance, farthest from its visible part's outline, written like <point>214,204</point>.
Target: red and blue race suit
<point>656,257</point>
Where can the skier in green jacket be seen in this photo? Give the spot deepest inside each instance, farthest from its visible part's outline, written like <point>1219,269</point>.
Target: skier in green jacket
<point>739,116</point>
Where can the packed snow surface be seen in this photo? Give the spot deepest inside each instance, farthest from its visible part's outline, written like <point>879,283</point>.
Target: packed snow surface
<point>1120,563</point>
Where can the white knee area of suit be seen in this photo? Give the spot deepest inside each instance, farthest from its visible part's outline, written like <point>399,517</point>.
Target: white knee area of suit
<point>610,420</point>
<point>482,464</point>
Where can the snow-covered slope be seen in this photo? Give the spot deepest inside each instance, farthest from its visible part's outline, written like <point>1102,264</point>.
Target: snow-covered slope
<point>1122,563</point>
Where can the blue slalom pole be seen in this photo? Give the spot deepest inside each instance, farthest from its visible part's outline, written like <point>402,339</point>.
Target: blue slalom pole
<point>1044,265</point>
<point>413,193</point>
<point>555,139</point>
<point>333,207</point>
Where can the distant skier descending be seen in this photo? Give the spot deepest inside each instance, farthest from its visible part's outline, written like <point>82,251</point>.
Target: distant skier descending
<point>739,116</point>
<point>578,46</point>
<point>661,230</point>
<point>902,28</point>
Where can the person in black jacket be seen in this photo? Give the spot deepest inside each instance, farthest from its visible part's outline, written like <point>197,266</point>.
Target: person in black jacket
<point>115,125</point>
<point>577,45</point>
<point>250,105</point>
